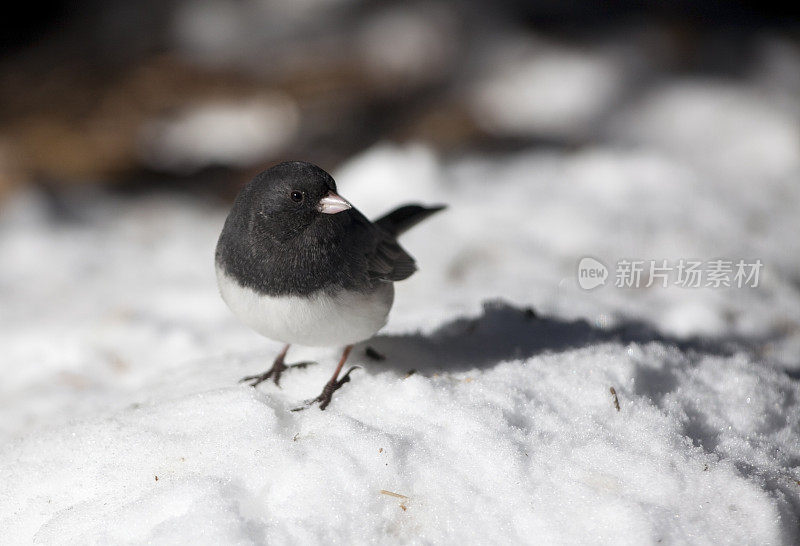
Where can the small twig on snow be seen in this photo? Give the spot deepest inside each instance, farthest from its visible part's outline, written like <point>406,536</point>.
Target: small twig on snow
<point>616,400</point>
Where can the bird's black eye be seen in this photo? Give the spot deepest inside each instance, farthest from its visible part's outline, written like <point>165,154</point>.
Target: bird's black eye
<point>297,196</point>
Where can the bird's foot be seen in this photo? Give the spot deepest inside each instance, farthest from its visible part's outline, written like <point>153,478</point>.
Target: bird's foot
<point>327,393</point>
<point>275,373</point>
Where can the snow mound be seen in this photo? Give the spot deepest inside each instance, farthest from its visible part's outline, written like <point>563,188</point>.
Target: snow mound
<point>514,446</point>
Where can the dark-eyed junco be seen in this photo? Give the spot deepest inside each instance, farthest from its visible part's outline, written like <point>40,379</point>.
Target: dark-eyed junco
<point>299,264</point>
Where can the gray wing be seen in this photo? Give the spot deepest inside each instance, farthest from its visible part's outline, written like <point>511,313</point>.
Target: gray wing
<point>388,261</point>
<point>384,259</point>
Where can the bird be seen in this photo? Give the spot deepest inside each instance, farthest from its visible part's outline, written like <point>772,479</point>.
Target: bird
<point>299,264</point>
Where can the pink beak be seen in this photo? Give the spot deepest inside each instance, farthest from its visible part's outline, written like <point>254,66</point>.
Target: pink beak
<point>333,203</point>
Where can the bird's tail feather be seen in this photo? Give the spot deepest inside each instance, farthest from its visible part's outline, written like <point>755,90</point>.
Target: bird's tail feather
<point>404,218</point>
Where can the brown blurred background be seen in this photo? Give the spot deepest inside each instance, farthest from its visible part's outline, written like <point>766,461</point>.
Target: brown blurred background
<point>201,94</point>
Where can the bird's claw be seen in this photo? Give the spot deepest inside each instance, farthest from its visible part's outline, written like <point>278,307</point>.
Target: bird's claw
<point>346,377</point>
<point>275,373</point>
<point>327,392</point>
<point>259,378</point>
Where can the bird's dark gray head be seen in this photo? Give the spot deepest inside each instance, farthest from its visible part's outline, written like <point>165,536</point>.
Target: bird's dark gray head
<point>286,200</point>
<point>289,232</point>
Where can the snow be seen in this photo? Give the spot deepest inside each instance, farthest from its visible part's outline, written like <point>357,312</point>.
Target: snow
<point>404,46</point>
<point>220,133</point>
<point>121,420</point>
<point>729,128</point>
<point>540,89</point>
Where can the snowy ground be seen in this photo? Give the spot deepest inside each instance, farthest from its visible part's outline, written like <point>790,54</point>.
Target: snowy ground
<point>121,420</point>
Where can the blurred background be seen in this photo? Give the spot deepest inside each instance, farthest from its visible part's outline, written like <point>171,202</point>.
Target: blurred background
<point>553,129</point>
<point>199,95</point>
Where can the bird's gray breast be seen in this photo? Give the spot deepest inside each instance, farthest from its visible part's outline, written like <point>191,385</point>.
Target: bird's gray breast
<point>317,260</point>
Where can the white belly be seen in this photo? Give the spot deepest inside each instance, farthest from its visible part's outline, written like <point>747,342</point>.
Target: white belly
<point>318,320</point>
